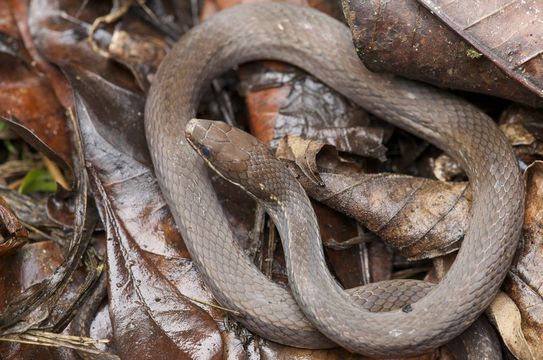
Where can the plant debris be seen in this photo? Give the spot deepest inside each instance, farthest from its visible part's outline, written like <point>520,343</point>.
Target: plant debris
<point>93,266</point>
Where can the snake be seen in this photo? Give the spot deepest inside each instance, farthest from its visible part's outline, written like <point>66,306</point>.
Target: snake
<point>316,312</point>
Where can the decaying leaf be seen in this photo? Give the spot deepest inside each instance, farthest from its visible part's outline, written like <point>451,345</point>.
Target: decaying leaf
<point>141,53</point>
<point>140,49</point>
<point>523,128</point>
<point>420,217</point>
<point>446,168</point>
<point>304,153</point>
<point>29,210</point>
<point>44,305</point>
<point>159,305</point>
<point>12,233</point>
<point>525,281</point>
<point>287,101</point>
<point>406,39</point>
<point>29,104</point>
<point>37,115</point>
<point>59,31</point>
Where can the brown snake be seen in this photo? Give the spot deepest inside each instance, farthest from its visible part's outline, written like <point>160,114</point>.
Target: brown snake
<point>322,46</point>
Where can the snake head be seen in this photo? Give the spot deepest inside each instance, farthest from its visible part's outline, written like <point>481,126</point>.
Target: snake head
<point>232,153</point>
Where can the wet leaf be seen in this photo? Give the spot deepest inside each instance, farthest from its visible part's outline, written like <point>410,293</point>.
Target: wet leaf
<point>31,211</point>
<point>140,49</point>
<point>404,38</point>
<point>137,221</point>
<point>508,32</point>
<point>28,266</point>
<point>45,304</point>
<point>27,99</point>
<point>12,233</point>
<point>172,17</point>
<point>60,31</point>
<point>142,53</point>
<point>156,291</point>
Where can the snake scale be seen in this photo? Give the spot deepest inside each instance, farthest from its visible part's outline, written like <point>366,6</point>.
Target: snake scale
<point>322,46</point>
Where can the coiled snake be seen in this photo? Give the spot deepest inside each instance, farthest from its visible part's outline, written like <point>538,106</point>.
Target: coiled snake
<point>322,46</point>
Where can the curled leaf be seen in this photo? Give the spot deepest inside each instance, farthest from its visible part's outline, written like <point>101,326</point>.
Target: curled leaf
<point>29,210</point>
<point>304,153</point>
<point>420,217</point>
<point>12,233</point>
<point>522,127</point>
<point>505,314</point>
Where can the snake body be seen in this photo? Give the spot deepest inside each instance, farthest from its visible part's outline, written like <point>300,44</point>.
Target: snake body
<point>322,46</point>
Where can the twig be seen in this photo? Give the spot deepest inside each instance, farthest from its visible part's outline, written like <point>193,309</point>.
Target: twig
<point>213,305</point>
<point>55,173</point>
<point>106,19</point>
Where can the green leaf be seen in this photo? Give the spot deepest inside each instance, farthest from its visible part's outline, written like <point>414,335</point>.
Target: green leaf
<point>37,180</point>
<point>3,125</point>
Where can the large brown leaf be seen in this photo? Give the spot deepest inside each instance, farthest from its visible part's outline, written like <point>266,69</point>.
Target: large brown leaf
<point>136,217</point>
<point>420,217</point>
<point>508,32</point>
<point>404,38</point>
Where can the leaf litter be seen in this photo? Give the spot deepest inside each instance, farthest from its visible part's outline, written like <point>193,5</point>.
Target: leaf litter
<point>157,304</point>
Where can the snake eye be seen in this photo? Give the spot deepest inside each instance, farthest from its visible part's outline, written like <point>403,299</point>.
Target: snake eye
<point>204,150</point>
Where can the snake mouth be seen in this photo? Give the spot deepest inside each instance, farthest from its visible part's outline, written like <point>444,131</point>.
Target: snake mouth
<point>190,131</point>
<point>190,134</point>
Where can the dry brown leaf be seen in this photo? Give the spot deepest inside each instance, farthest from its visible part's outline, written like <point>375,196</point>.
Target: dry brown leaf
<point>508,32</point>
<point>524,283</point>
<point>304,154</point>
<point>420,217</point>
<point>446,168</point>
<point>505,314</point>
<point>523,127</point>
